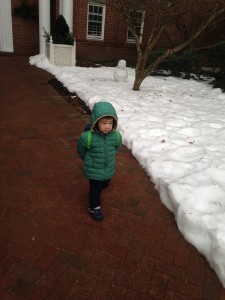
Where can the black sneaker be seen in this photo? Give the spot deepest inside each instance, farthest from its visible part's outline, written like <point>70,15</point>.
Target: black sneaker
<point>96,213</point>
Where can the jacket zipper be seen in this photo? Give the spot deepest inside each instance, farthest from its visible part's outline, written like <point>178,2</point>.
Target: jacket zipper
<point>105,155</point>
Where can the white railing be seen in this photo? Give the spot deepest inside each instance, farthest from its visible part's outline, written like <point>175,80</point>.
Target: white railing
<point>61,55</point>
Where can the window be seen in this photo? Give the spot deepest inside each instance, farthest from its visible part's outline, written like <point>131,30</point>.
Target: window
<point>137,19</point>
<point>96,21</point>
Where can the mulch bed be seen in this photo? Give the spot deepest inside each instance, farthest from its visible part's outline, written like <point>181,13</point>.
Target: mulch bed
<point>71,98</point>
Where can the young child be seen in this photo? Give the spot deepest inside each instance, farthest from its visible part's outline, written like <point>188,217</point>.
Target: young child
<point>98,149</point>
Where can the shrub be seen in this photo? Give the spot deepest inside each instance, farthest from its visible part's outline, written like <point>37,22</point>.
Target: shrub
<point>216,58</point>
<point>219,82</point>
<point>60,32</point>
<point>179,64</point>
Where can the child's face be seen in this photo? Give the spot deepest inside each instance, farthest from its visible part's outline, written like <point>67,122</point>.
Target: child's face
<point>105,125</point>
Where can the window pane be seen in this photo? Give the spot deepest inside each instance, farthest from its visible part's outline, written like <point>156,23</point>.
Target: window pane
<point>137,22</point>
<point>95,20</point>
<point>94,29</point>
<point>99,18</point>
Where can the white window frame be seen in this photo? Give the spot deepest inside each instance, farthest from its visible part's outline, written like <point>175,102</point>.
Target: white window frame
<point>130,38</point>
<point>101,36</point>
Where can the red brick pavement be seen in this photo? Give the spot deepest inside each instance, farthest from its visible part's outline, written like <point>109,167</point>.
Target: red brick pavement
<point>49,246</point>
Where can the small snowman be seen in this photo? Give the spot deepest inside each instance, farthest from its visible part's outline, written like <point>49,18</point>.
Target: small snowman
<point>121,74</point>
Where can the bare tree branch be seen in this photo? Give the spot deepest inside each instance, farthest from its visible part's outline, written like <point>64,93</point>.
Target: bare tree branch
<point>180,22</point>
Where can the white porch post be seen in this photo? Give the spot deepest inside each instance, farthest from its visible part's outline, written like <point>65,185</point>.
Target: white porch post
<point>61,7</point>
<point>6,36</point>
<point>67,12</point>
<point>44,21</point>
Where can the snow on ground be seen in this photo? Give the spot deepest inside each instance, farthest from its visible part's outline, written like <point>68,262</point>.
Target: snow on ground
<point>175,128</point>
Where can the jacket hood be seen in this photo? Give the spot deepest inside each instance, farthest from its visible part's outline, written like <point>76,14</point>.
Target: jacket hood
<point>103,109</point>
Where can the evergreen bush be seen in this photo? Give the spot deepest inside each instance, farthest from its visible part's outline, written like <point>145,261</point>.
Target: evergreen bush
<point>181,64</point>
<point>60,32</point>
<point>216,58</point>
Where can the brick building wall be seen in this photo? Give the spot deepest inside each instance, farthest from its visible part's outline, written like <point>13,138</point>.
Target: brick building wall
<point>113,48</point>
<point>105,53</point>
<point>25,32</point>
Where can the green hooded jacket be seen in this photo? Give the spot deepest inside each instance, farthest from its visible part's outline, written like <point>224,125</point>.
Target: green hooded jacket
<point>99,158</point>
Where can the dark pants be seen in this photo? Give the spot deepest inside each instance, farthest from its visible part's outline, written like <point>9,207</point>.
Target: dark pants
<point>96,188</point>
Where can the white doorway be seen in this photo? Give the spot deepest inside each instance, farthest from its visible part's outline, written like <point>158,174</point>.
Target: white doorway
<point>6,36</point>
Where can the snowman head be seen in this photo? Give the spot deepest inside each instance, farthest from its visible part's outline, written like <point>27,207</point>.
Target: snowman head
<point>122,64</point>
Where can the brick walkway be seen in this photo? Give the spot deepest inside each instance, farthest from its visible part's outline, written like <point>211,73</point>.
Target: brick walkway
<point>49,246</point>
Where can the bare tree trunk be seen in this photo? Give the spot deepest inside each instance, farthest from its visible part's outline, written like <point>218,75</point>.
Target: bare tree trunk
<point>137,83</point>
<point>139,77</point>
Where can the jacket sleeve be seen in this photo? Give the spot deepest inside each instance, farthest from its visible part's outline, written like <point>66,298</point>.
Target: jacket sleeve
<point>82,146</point>
<point>119,142</point>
